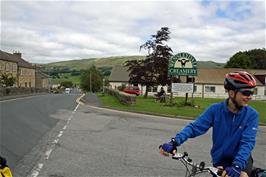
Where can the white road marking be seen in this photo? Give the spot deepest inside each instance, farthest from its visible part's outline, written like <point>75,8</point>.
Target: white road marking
<point>60,134</point>
<point>64,127</point>
<point>37,170</point>
<point>48,152</point>
<point>20,98</point>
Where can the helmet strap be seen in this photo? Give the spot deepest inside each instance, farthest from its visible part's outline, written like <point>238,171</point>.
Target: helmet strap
<point>233,100</point>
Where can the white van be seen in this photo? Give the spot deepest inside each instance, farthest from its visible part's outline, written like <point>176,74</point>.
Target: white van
<point>67,90</point>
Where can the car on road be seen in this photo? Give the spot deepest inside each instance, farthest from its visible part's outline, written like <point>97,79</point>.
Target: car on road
<point>67,90</point>
<point>132,90</point>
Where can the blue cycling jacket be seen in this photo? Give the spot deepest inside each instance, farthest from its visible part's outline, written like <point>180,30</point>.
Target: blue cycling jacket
<point>233,136</point>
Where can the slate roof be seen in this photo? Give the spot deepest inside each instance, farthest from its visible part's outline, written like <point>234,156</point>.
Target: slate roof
<point>205,75</point>
<point>119,74</point>
<point>216,76</point>
<point>15,58</point>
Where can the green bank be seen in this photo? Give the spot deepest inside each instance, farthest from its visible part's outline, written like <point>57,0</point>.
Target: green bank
<point>150,106</point>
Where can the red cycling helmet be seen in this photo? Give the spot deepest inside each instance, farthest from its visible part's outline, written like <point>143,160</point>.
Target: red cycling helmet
<point>238,80</point>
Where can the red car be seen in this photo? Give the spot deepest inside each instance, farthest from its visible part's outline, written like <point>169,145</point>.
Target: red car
<point>132,90</point>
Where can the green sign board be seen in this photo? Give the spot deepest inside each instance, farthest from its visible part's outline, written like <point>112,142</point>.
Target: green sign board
<point>182,64</point>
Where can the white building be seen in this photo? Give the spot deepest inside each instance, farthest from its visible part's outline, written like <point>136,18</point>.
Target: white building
<point>208,83</point>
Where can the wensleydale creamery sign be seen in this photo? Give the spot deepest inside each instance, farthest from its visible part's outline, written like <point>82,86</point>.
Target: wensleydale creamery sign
<point>182,64</point>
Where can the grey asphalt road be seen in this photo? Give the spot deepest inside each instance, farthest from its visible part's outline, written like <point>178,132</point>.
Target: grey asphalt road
<point>99,142</point>
<point>25,121</point>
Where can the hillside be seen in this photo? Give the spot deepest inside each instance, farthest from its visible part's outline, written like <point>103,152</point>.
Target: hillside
<point>109,62</point>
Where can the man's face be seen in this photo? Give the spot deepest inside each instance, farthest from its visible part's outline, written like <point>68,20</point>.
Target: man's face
<point>243,96</point>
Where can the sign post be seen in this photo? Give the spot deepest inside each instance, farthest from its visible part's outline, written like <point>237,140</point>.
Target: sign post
<point>182,64</point>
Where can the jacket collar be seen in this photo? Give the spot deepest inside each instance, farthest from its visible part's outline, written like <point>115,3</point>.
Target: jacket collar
<point>225,103</point>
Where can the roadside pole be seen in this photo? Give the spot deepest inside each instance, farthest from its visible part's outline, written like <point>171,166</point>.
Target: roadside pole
<point>90,81</point>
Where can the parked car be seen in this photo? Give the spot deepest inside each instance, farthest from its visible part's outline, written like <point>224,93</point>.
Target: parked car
<point>132,90</point>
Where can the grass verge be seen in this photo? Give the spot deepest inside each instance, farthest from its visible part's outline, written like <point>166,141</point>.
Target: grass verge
<point>149,106</point>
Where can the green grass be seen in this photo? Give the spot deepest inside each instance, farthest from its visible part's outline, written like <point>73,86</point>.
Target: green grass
<point>151,107</point>
<point>67,77</point>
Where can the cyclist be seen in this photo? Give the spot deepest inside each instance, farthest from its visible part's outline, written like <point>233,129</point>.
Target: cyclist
<point>234,126</point>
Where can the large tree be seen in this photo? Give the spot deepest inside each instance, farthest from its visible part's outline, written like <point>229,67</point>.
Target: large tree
<point>91,80</point>
<point>154,69</point>
<point>252,59</point>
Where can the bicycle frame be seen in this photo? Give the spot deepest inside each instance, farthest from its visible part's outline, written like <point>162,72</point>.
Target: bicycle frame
<point>196,168</point>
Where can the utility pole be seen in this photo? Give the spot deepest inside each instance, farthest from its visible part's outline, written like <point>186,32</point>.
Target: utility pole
<point>103,85</point>
<point>90,81</point>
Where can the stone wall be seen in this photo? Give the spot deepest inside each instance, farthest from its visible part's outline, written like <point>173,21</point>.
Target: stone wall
<point>21,91</point>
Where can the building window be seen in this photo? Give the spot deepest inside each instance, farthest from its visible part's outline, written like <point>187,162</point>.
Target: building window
<point>29,84</point>
<point>191,79</point>
<point>195,88</point>
<point>169,89</point>
<point>7,66</point>
<point>149,89</point>
<point>25,84</point>
<point>155,88</point>
<point>255,91</point>
<point>14,67</point>
<point>210,89</point>
<point>2,66</point>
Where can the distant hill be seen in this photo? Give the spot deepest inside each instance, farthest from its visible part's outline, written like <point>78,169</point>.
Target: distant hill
<point>109,62</point>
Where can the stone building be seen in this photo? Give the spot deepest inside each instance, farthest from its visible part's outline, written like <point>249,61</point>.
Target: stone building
<point>22,70</point>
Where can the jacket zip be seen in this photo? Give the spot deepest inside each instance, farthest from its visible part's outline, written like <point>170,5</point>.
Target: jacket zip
<point>231,131</point>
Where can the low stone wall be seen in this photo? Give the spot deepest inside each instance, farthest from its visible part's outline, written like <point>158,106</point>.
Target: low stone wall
<point>123,97</point>
<point>21,91</point>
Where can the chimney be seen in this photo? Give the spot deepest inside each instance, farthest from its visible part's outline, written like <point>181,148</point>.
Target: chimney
<point>18,54</point>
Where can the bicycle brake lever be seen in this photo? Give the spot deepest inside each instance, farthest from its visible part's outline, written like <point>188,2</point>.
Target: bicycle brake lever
<point>185,154</point>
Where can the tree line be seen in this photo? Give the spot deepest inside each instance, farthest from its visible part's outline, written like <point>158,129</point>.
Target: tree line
<point>251,59</point>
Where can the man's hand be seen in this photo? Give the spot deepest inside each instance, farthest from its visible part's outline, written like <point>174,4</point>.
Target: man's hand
<point>168,148</point>
<point>233,171</point>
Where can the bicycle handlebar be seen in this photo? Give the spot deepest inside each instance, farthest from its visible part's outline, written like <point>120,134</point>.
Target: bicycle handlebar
<point>197,168</point>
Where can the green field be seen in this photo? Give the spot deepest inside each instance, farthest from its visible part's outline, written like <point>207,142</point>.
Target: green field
<point>67,77</point>
<point>149,106</point>
<point>113,61</point>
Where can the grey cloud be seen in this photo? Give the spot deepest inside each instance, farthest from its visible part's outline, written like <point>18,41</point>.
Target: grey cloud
<point>47,31</point>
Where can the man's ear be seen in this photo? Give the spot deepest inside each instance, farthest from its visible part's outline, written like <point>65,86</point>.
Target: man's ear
<point>231,93</point>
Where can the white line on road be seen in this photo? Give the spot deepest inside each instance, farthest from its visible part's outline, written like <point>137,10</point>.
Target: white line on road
<point>60,134</point>
<point>37,170</point>
<point>76,108</point>
<point>48,152</point>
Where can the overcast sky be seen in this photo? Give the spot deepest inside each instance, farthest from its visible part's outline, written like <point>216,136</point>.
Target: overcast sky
<point>50,31</point>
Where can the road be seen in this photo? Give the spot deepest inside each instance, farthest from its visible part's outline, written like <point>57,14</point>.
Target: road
<point>24,121</point>
<point>90,141</point>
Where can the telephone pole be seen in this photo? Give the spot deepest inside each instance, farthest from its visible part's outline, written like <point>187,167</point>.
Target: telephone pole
<point>90,81</point>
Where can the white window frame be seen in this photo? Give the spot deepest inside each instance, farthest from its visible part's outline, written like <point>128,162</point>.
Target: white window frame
<point>210,89</point>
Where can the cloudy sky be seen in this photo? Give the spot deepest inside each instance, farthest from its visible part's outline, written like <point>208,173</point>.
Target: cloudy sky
<point>50,31</point>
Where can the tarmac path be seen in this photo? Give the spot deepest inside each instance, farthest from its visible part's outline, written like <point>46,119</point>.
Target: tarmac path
<point>92,141</point>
